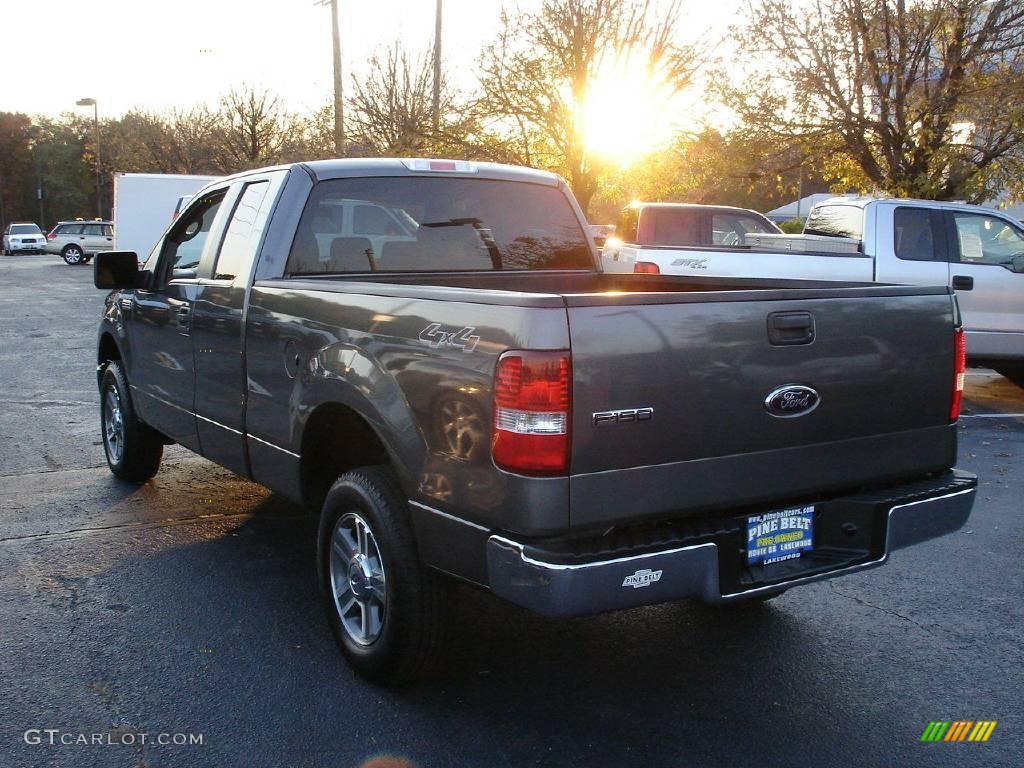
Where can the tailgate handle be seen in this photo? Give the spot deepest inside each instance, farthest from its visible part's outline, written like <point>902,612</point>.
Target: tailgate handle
<point>790,328</point>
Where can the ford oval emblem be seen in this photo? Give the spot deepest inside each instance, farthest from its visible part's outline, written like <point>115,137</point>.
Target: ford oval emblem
<point>791,400</point>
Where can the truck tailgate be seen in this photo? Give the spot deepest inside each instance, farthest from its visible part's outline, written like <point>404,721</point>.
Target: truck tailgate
<point>880,360</point>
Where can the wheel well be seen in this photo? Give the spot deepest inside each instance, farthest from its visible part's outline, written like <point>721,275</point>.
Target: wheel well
<point>108,352</point>
<point>335,440</point>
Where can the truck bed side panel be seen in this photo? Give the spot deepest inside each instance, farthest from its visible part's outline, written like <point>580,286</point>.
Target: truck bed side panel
<point>419,370</point>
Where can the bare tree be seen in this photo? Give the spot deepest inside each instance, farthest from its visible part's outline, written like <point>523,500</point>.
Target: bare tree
<point>537,75</point>
<point>926,97</point>
<point>391,109</point>
<point>255,130</point>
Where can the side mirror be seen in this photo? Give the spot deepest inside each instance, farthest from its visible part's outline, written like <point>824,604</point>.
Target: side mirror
<point>115,269</point>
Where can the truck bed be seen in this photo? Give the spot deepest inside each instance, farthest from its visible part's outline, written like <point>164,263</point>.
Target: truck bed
<point>696,351</point>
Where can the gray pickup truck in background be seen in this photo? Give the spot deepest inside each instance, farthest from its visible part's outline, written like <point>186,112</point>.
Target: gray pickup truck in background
<point>427,354</point>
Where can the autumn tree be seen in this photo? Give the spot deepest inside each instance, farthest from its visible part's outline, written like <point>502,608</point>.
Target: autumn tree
<point>15,166</point>
<point>538,75</point>
<point>710,167</point>
<point>924,98</point>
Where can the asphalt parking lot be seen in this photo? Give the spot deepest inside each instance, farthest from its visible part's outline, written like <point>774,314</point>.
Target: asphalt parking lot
<point>188,606</point>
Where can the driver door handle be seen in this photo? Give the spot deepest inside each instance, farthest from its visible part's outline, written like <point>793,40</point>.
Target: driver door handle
<point>963,283</point>
<point>184,317</point>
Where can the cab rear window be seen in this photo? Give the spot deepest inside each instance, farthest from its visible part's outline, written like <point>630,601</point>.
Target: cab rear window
<point>412,224</point>
<point>836,221</point>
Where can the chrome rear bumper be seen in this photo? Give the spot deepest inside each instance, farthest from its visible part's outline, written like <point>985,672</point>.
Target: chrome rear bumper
<point>521,574</point>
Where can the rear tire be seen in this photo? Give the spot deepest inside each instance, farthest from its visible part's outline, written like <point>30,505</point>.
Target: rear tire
<point>72,255</point>
<point>388,612</point>
<point>133,449</point>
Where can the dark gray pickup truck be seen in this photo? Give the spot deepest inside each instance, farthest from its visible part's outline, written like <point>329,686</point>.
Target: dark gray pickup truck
<point>428,355</point>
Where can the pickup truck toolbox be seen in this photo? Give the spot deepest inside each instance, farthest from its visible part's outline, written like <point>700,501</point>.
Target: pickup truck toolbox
<point>426,354</point>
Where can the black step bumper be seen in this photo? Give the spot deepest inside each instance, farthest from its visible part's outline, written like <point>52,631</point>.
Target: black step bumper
<point>709,563</point>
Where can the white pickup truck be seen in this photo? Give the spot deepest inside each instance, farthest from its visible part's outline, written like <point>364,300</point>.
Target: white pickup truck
<point>978,251</point>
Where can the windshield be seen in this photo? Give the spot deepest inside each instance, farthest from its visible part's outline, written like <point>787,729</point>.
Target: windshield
<point>25,229</point>
<point>436,224</point>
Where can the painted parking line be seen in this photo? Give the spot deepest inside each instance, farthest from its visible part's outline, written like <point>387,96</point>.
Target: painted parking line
<point>992,416</point>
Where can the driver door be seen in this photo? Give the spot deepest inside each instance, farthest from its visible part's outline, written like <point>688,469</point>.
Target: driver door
<point>987,270</point>
<point>160,331</point>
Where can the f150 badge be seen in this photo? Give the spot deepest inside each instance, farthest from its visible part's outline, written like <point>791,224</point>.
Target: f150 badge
<point>642,578</point>
<point>791,400</point>
<point>691,263</point>
<point>625,416</point>
<point>462,338</point>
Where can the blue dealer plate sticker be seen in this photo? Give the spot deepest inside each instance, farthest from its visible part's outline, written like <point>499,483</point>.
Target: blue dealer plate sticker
<point>777,536</point>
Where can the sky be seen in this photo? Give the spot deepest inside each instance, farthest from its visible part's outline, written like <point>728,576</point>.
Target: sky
<point>159,56</point>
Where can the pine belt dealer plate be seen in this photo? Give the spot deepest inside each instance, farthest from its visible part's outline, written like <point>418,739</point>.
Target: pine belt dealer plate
<point>783,535</point>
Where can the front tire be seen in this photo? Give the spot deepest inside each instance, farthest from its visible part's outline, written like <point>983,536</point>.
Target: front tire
<point>387,611</point>
<point>72,255</point>
<point>133,449</point>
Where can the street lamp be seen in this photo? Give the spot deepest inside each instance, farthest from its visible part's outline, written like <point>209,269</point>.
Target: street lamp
<point>96,142</point>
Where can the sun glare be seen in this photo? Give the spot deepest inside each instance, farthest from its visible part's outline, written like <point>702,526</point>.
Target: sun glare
<point>625,116</point>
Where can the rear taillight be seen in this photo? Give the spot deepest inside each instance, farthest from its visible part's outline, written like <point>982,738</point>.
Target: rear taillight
<point>646,268</point>
<point>959,372</point>
<point>51,236</point>
<point>531,412</point>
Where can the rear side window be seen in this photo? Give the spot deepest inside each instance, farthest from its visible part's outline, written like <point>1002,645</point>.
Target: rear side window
<point>70,229</point>
<point>238,248</point>
<point>836,221</point>
<point>402,224</point>
<point>914,238</point>
<point>669,226</point>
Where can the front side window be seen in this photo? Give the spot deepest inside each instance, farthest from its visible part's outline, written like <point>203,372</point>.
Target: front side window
<point>183,247</point>
<point>989,240</point>
<point>436,224</point>
<point>836,221</point>
<point>732,228</point>
<point>626,226</point>
<point>94,230</point>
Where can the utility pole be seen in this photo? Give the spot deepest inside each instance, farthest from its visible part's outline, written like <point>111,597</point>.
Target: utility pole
<point>437,70</point>
<point>339,101</point>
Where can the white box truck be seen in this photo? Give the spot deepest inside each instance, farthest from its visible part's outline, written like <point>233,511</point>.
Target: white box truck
<point>145,204</point>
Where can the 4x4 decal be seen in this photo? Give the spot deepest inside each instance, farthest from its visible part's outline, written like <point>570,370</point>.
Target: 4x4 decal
<point>437,336</point>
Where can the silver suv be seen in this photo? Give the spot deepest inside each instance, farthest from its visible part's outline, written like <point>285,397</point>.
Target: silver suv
<point>78,241</point>
<point>23,237</point>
